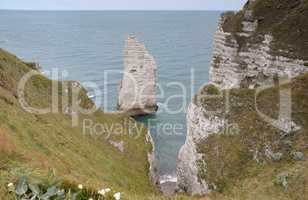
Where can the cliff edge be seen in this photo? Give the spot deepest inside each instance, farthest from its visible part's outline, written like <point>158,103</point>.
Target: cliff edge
<point>258,43</point>
<point>247,126</point>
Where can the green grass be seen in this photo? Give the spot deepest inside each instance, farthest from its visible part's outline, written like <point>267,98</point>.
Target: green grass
<point>286,20</point>
<point>211,90</point>
<point>38,143</point>
<point>229,159</point>
<point>35,146</point>
<point>232,21</point>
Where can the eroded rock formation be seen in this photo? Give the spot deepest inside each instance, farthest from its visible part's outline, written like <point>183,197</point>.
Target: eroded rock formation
<point>137,92</point>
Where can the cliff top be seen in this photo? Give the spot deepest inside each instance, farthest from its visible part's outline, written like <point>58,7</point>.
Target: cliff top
<point>241,159</point>
<point>285,20</point>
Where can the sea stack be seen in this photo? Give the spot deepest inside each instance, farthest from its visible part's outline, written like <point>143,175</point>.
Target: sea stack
<point>137,91</point>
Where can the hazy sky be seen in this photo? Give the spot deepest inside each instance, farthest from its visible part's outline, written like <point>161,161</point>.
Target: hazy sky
<point>122,4</point>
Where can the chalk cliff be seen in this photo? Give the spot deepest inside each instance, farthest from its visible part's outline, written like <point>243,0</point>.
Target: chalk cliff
<point>137,91</point>
<point>198,128</point>
<point>233,67</point>
<point>153,161</point>
<point>245,56</point>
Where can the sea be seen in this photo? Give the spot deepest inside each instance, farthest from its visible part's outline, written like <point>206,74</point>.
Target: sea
<point>88,47</point>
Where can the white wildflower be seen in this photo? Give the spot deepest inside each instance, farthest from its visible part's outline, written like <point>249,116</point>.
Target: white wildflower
<point>80,187</point>
<point>10,185</point>
<point>103,192</point>
<point>90,199</point>
<point>117,196</point>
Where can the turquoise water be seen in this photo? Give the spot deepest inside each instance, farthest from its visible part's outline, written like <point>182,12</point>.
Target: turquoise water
<point>86,44</point>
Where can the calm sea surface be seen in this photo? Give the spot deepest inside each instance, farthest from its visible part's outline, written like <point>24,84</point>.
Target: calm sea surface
<point>87,44</point>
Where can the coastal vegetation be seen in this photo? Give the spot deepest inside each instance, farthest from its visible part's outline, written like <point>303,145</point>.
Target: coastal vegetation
<point>254,160</point>
<point>44,155</point>
<point>34,145</point>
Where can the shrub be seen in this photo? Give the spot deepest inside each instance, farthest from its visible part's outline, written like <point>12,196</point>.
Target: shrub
<point>25,190</point>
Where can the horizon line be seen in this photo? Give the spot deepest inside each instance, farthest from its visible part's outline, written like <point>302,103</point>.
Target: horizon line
<point>140,10</point>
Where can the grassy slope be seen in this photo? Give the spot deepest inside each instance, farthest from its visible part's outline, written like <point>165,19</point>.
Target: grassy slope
<point>42,145</point>
<point>230,158</point>
<point>36,144</point>
<point>284,19</point>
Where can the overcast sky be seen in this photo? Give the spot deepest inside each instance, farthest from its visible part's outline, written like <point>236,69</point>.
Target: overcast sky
<point>122,4</point>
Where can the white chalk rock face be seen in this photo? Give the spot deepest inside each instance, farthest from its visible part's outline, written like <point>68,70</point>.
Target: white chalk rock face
<point>199,128</point>
<point>233,67</point>
<point>137,92</point>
